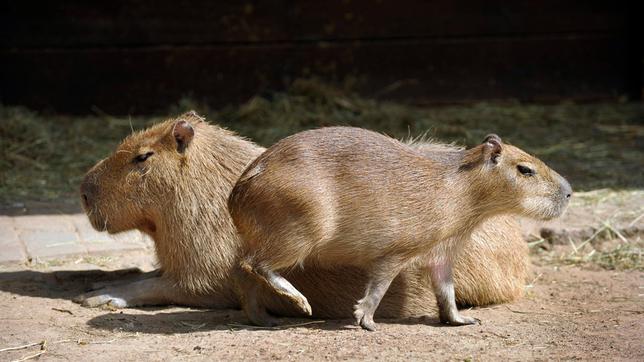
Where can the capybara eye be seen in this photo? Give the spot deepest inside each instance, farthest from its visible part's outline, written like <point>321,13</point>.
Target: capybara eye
<point>526,170</point>
<point>143,157</point>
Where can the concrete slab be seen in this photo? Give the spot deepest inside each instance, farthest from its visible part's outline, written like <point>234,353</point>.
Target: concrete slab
<point>43,222</point>
<point>51,243</point>
<point>12,252</point>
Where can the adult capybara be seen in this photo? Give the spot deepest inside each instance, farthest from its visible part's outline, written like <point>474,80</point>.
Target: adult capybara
<point>172,182</point>
<point>352,197</point>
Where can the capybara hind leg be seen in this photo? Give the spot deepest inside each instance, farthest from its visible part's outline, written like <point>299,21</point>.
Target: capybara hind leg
<point>376,289</point>
<point>443,284</point>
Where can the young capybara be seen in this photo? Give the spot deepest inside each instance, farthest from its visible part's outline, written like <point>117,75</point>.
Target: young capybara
<point>348,196</point>
<point>172,182</point>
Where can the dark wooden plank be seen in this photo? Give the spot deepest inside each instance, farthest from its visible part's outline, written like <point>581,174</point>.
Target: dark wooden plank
<point>456,18</point>
<point>77,23</point>
<point>148,80</point>
<point>635,39</point>
<point>107,23</point>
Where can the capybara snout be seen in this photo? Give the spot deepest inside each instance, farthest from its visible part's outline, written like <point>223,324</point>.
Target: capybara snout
<point>566,189</point>
<point>88,190</point>
<point>564,195</point>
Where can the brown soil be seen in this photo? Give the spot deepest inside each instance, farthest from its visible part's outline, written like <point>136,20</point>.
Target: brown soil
<point>568,313</point>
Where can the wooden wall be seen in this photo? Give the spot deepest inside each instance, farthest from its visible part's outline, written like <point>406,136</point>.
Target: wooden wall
<point>141,55</point>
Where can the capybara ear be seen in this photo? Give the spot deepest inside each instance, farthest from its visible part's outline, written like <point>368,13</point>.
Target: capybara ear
<point>492,147</point>
<point>183,133</point>
<point>192,114</point>
<point>492,136</point>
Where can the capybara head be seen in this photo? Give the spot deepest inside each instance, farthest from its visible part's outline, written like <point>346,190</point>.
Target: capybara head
<point>125,190</point>
<point>516,180</point>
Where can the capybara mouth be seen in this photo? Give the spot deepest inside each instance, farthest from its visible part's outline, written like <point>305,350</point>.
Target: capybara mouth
<point>556,211</point>
<point>97,222</point>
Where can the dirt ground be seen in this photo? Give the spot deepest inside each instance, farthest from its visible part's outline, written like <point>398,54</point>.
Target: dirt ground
<point>568,312</point>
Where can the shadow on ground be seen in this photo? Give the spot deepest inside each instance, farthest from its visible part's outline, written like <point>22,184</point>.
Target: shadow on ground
<point>66,284</point>
<point>191,320</point>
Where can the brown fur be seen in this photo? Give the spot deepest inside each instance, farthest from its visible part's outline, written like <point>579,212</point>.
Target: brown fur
<point>179,199</point>
<point>344,196</point>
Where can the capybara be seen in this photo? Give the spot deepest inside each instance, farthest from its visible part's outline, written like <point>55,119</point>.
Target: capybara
<point>349,196</point>
<point>172,182</point>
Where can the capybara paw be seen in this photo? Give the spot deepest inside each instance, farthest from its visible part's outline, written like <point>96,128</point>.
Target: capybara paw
<point>460,320</point>
<point>363,320</point>
<point>92,300</point>
<point>305,307</point>
<point>368,325</point>
<point>358,313</point>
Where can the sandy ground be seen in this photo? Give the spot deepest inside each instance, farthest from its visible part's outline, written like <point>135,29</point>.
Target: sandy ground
<point>567,313</point>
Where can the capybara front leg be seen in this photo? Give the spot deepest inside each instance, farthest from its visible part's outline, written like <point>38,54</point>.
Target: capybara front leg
<point>149,291</point>
<point>129,276</point>
<point>441,277</point>
<point>376,288</point>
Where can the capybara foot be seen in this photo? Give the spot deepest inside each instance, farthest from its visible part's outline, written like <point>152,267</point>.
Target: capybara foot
<point>286,289</point>
<point>300,302</point>
<point>99,298</point>
<point>459,320</point>
<point>364,319</point>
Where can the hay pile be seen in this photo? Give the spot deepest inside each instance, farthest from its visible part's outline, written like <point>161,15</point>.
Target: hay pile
<point>595,145</point>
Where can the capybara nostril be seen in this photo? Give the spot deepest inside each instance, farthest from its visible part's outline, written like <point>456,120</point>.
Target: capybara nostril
<point>566,189</point>
<point>88,193</point>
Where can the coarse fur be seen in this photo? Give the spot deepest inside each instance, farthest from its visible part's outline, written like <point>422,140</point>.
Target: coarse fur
<point>178,195</point>
<point>342,196</point>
